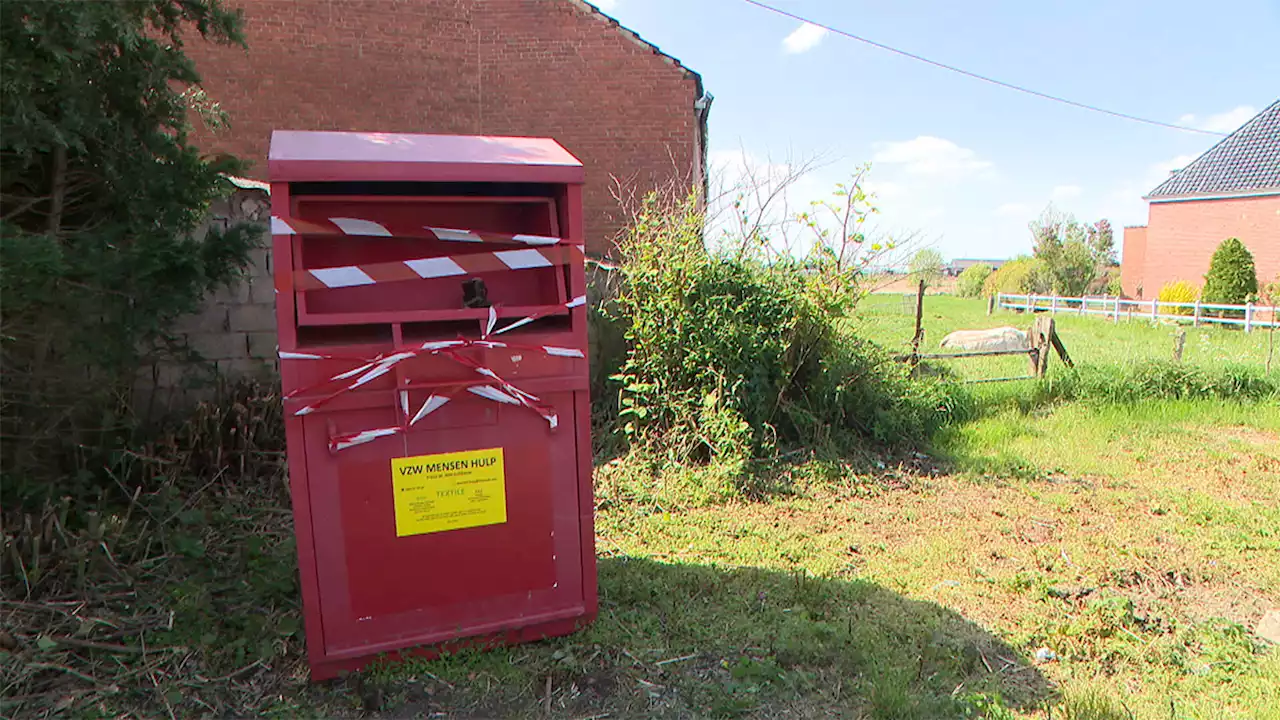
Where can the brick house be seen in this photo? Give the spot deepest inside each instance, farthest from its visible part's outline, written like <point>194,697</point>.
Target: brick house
<point>554,68</point>
<point>1232,190</point>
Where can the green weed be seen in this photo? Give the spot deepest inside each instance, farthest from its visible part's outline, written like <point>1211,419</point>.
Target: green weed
<point>732,358</point>
<point>1159,381</point>
<point>1091,705</point>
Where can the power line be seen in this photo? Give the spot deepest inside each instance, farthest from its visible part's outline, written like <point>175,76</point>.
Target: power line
<point>976,76</point>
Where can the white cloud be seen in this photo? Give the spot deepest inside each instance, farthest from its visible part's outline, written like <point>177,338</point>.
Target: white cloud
<point>883,190</point>
<point>1223,122</point>
<point>1124,204</point>
<point>1014,210</point>
<point>804,38</point>
<point>931,157</point>
<point>1062,193</point>
<point>1159,172</point>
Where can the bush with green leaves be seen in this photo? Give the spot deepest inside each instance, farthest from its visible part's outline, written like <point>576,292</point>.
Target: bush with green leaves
<point>972,279</point>
<point>926,265</point>
<point>1114,287</point>
<point>1232,278</point>
<point>1106,283</point>
<point>1269,293</point>
<point>101,196</point>
<point>1020,276</point>
<point>1075,255</point>
<point>731,358</point>
<point>1178,291</point>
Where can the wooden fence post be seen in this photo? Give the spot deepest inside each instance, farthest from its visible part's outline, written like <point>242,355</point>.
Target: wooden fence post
<point>1271,339</point>
<point>1046,343</point>
<point>1155,309</point>
<point>1116,316</point>
<point>1084,301</point>
<point>1179,341</point>
<point>991,304</point>
<point>915,339</point>
<point>1196,321</point>
<point>1042,330</point>
<point>1053,305</point>
<point>1248,317</point>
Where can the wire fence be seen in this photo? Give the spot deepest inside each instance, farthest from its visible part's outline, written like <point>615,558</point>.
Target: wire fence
<point>1249,315</point>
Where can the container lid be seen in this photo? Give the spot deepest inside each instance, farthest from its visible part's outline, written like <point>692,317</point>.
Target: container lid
<point>307,156</point>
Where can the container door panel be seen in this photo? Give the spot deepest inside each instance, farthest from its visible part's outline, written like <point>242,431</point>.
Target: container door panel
<point>380,587</point>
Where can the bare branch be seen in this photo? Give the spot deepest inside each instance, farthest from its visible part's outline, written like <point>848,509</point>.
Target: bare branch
<point>59,189</point>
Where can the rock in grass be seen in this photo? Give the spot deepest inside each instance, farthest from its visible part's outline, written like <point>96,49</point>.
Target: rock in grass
<point>1269,627</point>
<point>1045,655</point>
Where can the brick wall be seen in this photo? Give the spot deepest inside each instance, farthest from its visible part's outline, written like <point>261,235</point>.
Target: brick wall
<point>554,68</point>
<point>1181,238</point>
<point>1133,260</point>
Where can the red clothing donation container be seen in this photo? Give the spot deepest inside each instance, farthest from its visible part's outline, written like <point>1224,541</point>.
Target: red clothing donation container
<point>432,322</point>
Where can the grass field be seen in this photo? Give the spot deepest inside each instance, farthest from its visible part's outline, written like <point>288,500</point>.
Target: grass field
<point>890,318</point>
<point>1133,547</point>
<point>1069,561</point>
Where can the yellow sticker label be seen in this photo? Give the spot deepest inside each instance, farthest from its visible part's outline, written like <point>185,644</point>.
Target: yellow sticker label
<point>449,491</point>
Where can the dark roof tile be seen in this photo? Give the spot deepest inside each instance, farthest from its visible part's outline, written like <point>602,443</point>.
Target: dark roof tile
<point>1247,159</point>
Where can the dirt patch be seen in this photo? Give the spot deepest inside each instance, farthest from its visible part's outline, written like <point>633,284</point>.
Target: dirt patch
<point>1191,594</point>
<point>1248,435</point>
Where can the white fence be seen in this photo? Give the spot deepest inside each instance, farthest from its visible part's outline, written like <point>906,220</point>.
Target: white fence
<point>1250,316</point>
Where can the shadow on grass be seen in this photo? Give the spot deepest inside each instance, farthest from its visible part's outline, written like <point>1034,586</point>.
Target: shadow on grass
<point>701,641</point>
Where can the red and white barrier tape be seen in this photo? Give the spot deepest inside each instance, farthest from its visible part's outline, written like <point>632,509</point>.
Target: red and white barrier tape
<point>371,228</point>
<point>372,369</point>
<point>493,388</point>
<point>436,400</point>
<point>493,316</point>
<point>436,267</point>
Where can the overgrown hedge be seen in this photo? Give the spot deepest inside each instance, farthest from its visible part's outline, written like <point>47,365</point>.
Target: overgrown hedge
<point>972,280</point>
<point>731,358</point>
<point>1019,276</point>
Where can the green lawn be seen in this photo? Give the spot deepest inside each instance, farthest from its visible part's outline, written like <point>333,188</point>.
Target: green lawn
<point>1132,547</point>
<point>1137,544</point>
<point>890,319</point>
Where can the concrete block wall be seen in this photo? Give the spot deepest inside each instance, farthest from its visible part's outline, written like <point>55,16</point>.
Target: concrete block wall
<point>237,327</point>
<point>235,330</point>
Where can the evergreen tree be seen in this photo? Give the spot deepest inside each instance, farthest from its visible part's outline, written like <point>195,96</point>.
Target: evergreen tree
<point>99,198</point>
<point>1232,279</point>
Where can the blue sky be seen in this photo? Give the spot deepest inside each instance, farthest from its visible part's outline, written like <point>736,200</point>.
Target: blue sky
<point>963,164</point>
